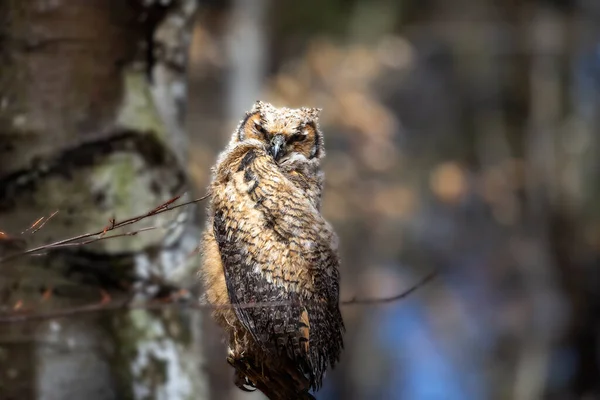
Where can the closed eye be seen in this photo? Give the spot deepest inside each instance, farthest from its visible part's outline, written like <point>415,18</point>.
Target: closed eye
<point>262,130</point>
<point>298,137</point>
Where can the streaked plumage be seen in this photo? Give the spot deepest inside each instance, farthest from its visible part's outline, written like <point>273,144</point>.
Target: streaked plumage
<point>266,241</point>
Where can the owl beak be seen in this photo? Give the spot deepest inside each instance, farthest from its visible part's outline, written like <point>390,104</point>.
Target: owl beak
<point>277,146</point>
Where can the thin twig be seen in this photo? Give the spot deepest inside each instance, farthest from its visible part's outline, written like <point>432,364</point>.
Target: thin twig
<point>37,221</point>
<point>167,206</point>
<point>158,305</point>
<point>400,296</point>
<point>44,223</point>
<point>89,241</point>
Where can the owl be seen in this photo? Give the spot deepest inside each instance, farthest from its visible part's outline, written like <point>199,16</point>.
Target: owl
<point>270,260</point>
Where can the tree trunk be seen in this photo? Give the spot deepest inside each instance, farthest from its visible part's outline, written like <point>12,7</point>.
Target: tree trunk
<point>91,111</point>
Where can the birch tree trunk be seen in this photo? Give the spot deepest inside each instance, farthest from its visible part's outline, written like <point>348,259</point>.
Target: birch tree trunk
<point>91,110</point>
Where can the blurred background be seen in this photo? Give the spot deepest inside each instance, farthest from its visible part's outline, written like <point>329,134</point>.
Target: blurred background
<point>461,137</point>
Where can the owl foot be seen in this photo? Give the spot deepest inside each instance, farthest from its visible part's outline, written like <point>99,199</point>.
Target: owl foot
<point>242,382</point>
<point>239,379</point>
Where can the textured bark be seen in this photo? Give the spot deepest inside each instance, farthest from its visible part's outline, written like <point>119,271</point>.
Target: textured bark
<point>91,111</point>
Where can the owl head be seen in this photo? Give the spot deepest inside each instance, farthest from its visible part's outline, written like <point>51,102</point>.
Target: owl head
<point>285,132</point>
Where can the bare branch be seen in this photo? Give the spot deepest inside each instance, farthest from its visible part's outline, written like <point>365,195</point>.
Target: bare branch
<point>105,305</point>
<point>365,301</point>
<point>77,243</point>
<point>167,206</point>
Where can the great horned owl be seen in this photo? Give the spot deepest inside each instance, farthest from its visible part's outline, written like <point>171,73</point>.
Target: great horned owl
<point>266,242</point>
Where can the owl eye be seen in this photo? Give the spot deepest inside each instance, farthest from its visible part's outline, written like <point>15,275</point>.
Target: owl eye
<point>260,128</point>
<point>297,137</point>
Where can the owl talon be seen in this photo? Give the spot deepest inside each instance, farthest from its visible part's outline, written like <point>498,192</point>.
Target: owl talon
<point>243,383</point>
<point>244,387</point>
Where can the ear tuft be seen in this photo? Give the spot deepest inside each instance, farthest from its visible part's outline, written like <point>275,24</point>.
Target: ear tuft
<point>313,113</point>
<point>258,106</point>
